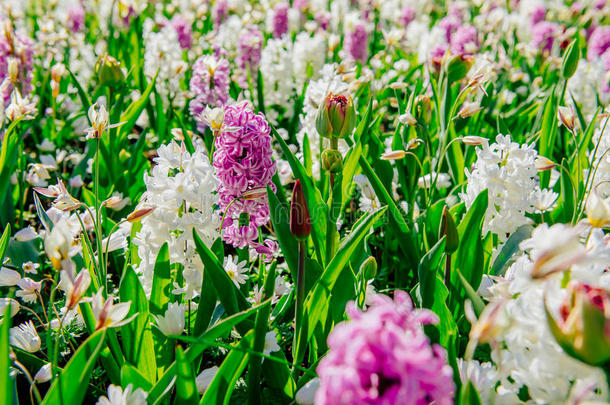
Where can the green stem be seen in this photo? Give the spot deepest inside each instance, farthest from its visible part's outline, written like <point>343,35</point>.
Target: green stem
<point>300,296</point>
<point>448,270</point>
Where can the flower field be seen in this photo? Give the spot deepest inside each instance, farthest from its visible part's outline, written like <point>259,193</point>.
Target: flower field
<point>319,202</point>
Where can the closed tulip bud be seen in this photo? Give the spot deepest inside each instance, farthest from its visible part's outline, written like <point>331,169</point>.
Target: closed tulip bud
<point>336,116</point>
<point>449,230</point>
<point>393,155</point>
<point>138,214</point>
<point>582,329</point>
<point>567,117</point>
<point>13,69</point>
<point>332,161</point>
<point>474,140</point>
<point>108,71</point>
<point>300,222</point>
<point>570,59</point>
<point>124,156</point>
<point>458,66</point>
<point>468,109</point>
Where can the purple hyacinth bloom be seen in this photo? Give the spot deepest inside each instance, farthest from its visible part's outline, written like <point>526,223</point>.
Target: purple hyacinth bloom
<point>220,11</point>
<point>407,15</point>
<point>15,45</point>
<point>538,14</point>
<point>543,35</point>
<point>184,30</point>
<point>249,47</point>
<point>599,42</point>
<point>76,17</point>
<point>356,42</point>
<point>243,163</point>
<point>280,19</point>
<point>449,24</point>
<point>382,356</point>
<point>464,41</point>
<point>209,83</point>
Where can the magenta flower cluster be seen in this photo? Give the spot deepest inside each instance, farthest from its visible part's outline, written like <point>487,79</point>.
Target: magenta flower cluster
<point>19,47</point>
<point>76,17</point>
<point>543,35</point>
<point>209,84</point>
<point>184,30</point>
<point>461,38</point>
<point>382,357</point>
<point>280,19</point>
<point>244,167</point>
<point>599,45</point>
<point>356,42</point>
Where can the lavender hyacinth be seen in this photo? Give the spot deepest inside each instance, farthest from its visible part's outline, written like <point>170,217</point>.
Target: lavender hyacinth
<point>19,48</point>
<point>543,35</point>
<point>280,20</point>
<point>76,17</point>
<point>599,42</point>
<point>356,42</point>
<point>249,48</point>
<point>184,30</point>
<point>382,356</point>
<point>464,40</point>
<point>209,83</point>
<point>244,168</point>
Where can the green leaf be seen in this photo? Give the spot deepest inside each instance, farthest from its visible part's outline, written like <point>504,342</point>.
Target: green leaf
<point>186,387</point>
<point>131,375</point>
<point>469,395</point>
<point>42,215</point>
<point>82,94</point>
<point>162,282</point>
<point>317,206</point>
<point>427,271</point>
<point>8,157</point>
<point>6,382</point>
<point>477,302</point>
<point>131,114</point>
<point>138,344</point>
<point>198,345</point>
<point>511,246</point>
<point>6,236</point>
<point>280,219</point>
<point>548,132</point>
<point>68,387</point>
<point>229,295</point>
<point>469,257</point>
<point>316,303</point>
<point>222,386</point>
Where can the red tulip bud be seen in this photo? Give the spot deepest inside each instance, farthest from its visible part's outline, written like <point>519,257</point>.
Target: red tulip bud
<point>300,222</point>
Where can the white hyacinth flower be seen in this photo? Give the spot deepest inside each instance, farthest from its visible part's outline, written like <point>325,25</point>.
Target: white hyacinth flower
<point>307,393</point>
<point>271,343</point>
<point>118,396</point>
<point>25,337</point>
<point>172,323</point>
<point>204,379</point>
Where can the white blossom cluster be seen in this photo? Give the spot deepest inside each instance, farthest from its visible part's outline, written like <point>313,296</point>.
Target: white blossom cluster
<point>507,170</point>
<point>163,53</point>
<point>181,187</point>
<point>526,353</point>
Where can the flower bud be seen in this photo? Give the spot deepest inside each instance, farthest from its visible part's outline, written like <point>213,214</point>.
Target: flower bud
<point>474,140</point>
<point>108,71</point>
<point>583,328</point>
<point>332,160</point>
<point>423,106</point>
<point>13,69</point>
<point>598,210</point>
<point>468,109</point>
<point>336,116</point>
<point>138,214</point>
<point>567,117</point>
<point>457,67</point>
<point>393,155</point>
<point>300,222</point>
<point>449,230</point>
<point>543,163</point>
<point>570,59</point>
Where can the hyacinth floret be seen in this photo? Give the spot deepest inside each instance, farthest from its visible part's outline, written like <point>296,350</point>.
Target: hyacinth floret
<point>244,167</point>
<point>382,356</point>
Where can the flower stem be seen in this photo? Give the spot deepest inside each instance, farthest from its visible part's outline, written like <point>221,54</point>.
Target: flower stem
<point>447,270</point>
<point>300,295</point>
